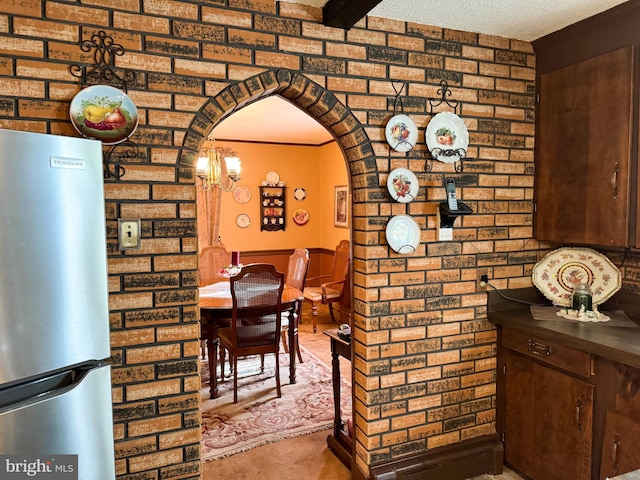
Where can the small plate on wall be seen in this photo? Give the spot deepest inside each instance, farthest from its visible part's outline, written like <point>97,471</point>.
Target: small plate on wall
<point>242,194</point>
<point>403,234</point>
<point>401,133</point>
<point>243,220</point>
<point>402,185</point>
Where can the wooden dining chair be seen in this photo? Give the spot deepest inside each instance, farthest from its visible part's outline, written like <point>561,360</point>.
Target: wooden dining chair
<point>297,269</point>
<point>256,318</point>
<point>333,290</point>
<point>211,260</point>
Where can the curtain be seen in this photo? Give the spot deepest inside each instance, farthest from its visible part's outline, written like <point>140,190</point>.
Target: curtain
<point>208,202</point>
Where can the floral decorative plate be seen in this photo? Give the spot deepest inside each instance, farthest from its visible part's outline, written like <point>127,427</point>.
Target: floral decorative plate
<point>104,113</point>
<point>403,234</point>
<point>401,133</point>
<point>301,216</point>
<point>402,185</point>
<point>243,220</point>
<point>558,272</point>
<point>447,137</point>
<point>242,194</point>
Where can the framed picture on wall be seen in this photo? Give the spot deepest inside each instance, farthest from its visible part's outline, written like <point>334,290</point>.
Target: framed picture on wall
<point>341,206</point>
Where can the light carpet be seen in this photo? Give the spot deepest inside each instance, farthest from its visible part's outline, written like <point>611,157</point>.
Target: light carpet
<point>260,417</point>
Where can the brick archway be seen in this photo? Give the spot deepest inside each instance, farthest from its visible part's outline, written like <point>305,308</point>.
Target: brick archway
<point>324,107</point>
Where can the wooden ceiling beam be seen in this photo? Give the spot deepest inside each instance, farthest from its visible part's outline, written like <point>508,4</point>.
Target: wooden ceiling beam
<point>346,13</point>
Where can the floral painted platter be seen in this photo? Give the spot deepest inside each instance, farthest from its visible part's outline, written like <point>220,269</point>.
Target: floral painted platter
<point>402,185</point>
<point>559,271</point>
<point>401,133</point>
<point>403,234</point>
<point>104,113</point>
<point>447,137</point>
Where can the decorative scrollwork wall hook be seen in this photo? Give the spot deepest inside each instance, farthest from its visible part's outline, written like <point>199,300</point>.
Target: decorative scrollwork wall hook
<point>104,58</point>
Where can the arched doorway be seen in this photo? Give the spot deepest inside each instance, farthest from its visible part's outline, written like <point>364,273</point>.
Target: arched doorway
<point>323,106</point>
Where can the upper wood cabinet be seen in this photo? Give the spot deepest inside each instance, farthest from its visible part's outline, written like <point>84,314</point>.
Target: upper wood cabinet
<point>584,143</point>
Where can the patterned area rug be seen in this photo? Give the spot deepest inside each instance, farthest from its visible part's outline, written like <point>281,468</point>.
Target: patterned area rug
<point>260,417</point>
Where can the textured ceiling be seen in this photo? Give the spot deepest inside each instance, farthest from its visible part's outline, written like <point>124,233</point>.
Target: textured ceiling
<point>520,19</point>
<point>275,120</point>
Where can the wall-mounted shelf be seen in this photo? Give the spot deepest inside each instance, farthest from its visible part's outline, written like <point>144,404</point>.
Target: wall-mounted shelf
<point>272,208</point>
<point>448,216</point>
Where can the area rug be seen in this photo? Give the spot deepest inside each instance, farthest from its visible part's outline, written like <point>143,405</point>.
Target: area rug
<point>260,417</point>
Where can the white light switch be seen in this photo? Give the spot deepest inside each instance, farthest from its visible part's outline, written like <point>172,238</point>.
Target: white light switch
<point>128,234</point>
<point>445,234</point>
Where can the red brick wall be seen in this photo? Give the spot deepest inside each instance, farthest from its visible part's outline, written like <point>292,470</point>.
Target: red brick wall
<point>425,354</point>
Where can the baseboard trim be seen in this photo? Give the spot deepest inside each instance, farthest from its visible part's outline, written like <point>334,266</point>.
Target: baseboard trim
<point>459,461</point>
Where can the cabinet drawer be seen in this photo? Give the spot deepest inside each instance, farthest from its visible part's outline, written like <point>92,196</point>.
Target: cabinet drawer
<point>558,355</point>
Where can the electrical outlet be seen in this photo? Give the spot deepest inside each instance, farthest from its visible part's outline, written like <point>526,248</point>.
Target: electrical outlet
<point>128,234</point>
<point>480,273</point>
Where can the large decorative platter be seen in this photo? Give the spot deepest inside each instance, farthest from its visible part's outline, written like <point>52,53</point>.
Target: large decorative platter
<point>104,113</point>
<point>401,133</point>
<point>403,234</point>
<point>558,272</point>
<point>402,185</point>
<point>447,137</point>
<point>301,216</point>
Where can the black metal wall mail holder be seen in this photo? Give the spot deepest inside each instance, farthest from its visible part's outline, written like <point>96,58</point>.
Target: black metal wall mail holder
<point>447,153</point>
<point>103,71</point>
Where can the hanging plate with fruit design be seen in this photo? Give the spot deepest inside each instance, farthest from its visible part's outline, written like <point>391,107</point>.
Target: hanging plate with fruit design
<point>402,185</point>
<point>447,137</point>
<point>104,113</point>
<point>401,133</point>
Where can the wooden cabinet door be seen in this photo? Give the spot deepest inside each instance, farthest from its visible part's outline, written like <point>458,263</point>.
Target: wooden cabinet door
<point>519,417</point>
<point>583,146</point>
<point>621,445</point>
<point>548,421</point>
<point>564,408</point>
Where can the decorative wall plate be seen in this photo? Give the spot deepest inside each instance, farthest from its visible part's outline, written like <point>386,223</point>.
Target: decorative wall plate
<point>272,178</point>
<point>401,133</point>
<point>402,185</point>
<point>446,137</point>
<point>242,194</point>
<point>557,273</point>
<point>243,220</point>
<point>104,113</point>
<point>403,234</point>
<point>301,216</point>
<point>300,194</point>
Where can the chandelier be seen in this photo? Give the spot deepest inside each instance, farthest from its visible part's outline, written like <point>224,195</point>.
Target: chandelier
<point>209,170</point>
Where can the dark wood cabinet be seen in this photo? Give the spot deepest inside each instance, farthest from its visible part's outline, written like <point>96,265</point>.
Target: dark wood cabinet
<point>584,142</point>
<point>547,411</point>
<point>621,445</point>
<point>548,421</point>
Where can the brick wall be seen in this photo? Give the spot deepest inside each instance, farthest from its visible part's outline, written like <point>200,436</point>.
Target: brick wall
<point>425,354</point>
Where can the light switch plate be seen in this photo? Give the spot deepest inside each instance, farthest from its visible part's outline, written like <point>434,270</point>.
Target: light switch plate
<point>445,234</point>
<point>128,234</point>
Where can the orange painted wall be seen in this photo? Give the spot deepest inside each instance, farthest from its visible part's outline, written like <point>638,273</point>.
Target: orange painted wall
<point>316,169</point>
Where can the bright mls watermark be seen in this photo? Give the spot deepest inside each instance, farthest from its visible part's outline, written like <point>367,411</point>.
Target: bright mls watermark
<point>50,467</point>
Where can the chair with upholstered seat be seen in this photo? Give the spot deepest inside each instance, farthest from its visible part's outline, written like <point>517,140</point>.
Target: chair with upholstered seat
<point>297,269</point>
<point>334,289</point>
<point>256,318</point>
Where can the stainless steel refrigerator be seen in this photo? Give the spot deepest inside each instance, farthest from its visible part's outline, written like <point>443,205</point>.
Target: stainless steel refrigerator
<point>55,377</point>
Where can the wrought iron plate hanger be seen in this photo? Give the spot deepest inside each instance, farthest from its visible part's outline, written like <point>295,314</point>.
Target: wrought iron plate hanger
<point>444,93</point>
<point>103,71</point>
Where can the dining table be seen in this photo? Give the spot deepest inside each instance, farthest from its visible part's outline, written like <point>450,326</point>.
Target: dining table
<point>216,310</point>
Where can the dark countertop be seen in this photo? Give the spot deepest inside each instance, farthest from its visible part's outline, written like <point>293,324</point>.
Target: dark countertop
<point>620,344</point>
